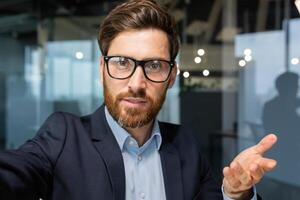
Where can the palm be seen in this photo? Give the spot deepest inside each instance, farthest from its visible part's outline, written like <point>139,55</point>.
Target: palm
<point>248,168</point>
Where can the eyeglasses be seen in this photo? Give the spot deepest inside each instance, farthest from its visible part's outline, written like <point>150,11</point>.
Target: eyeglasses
<point>120,67</point>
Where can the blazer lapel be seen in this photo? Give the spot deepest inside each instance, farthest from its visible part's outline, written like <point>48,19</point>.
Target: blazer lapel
<point>110,152</point>
<point>171,167</point>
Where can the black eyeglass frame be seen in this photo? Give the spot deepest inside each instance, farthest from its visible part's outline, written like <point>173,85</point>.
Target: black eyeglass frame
<point>140,63</point>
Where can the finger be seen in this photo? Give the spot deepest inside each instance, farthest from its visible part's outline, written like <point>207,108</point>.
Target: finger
<point>241,174</point>
<point>265,144</point>
<point>228,188</point>
<point>256,172</point>
<point>230,178</point>
<point>267,164</point>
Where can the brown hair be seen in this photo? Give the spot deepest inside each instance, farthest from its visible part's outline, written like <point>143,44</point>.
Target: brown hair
<point>135,15</point>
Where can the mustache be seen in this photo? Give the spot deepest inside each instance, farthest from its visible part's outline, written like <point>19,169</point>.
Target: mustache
<point>141,93</point>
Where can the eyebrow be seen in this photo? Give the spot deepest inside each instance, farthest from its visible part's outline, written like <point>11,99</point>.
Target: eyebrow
<point>144,59</point>
<point>155,58</point>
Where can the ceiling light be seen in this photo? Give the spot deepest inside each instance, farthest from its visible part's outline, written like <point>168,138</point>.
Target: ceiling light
<point>242,63</point>
<point>205,72</point>
<point>201,52</point>
<point>248,58</point>
<point>79,55</point>
<point>186,74</point>
<point>247,52</point>
<point>295,61</point>
<point>197,60</point>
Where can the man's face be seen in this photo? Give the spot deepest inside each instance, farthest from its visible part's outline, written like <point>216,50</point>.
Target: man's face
<point>135,102</point>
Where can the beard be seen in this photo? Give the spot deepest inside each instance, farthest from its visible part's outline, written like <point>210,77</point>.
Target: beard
<point>129,117</point>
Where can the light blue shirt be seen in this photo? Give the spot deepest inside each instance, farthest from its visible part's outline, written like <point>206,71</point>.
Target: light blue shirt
<point>143,171</point>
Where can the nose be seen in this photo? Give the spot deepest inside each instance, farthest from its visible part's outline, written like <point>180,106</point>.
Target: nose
<point>138,79</point>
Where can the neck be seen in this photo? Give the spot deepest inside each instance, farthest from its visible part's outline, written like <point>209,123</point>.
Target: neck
<point>141,134</point>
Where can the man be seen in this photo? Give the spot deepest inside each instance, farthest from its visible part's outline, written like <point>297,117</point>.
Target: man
<point>121,151</point>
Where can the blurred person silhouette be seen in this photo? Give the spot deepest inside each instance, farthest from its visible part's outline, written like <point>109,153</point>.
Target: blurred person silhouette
<point>280,115</point>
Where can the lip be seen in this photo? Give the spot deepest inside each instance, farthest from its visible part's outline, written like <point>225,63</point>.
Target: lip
<point>135,100</point>
<point>131,101</point>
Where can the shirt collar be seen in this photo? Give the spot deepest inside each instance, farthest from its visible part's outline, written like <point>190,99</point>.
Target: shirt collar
<point>122,135</point>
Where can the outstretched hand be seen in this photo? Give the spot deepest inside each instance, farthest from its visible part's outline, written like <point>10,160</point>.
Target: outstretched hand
<point>248,168</point>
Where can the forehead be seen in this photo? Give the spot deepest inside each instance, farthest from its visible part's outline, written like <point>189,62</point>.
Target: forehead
<point>141,44</point>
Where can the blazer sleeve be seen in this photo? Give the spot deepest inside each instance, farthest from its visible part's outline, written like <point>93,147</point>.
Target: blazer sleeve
<point>208,188</point>
<point>26,173</point>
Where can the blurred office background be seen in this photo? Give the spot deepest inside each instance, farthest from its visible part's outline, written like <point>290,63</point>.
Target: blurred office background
<point>238,77</point>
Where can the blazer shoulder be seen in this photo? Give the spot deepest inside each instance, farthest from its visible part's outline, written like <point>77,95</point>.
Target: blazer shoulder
<point>59,119</point>
<point>56,120</point>
<point>177,133</point>
<point>52,135</point>
<point>169,126</point>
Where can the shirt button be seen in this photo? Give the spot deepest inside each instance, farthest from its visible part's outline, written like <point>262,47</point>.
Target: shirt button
<point>139,158</point>
<point>142,195</point>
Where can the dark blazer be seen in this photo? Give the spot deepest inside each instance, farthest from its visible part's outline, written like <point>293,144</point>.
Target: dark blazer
<point>78,158</point>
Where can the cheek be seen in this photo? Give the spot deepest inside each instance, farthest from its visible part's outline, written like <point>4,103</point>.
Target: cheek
<point>157,91</point>
<point>114,87</point>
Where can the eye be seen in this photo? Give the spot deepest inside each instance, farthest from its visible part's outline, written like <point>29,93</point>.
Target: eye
<point>154,65</point>
<point>123,61</point>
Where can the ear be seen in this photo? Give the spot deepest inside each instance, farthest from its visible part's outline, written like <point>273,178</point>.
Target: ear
<point>173,76</point>
<point>101,69</point>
